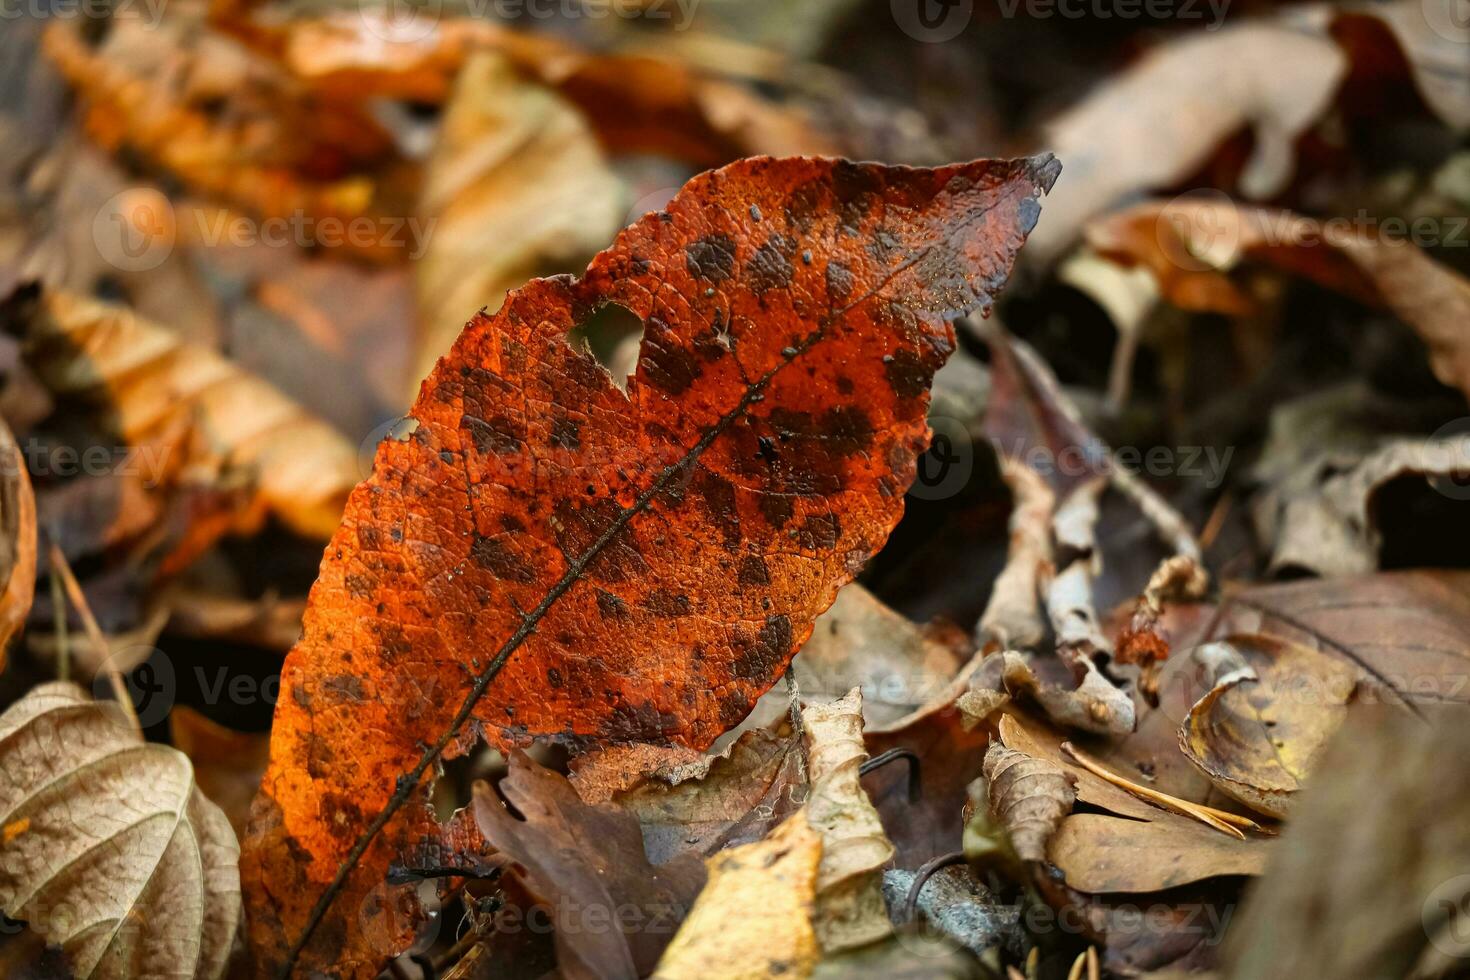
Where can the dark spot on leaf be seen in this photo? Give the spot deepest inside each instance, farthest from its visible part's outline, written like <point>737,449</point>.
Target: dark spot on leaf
<point>496,557</point>
<point>753,571</point>
<point>711,258</point>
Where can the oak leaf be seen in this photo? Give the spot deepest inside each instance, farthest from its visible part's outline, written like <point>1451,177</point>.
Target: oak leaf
<point>652,559</point>
<point>149,888</point>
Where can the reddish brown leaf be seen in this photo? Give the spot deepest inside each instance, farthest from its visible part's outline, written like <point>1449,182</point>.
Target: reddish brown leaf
<point>652,559</point>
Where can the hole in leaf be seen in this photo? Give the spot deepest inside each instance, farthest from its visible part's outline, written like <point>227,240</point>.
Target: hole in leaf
<point>611,335</point>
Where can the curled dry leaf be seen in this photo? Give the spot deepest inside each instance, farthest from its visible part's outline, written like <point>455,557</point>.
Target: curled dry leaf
<point>1029,797</point>
<point>850,910</point>
<point>516,187</point>
<point>1095,704</point>
<point>772,883</point>
<point>1189,243</point>
<point>1160,120</point>
<point>150,888</point>
<point>1321,517</point>
<point>539,517</point>
<point>1258,735</point>
<point>1012,617</point>
<point>152,387</point>
<point>587,865</point>
<point>17,540</point>
<point>1141,642</point>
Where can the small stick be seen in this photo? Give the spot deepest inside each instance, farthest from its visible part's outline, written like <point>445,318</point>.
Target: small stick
<point>1075,973</point>
<point>1094,968</point>
<point>1221,820</point>
<point>63,643</point>
<point>883,758</point>
<point>94,634</point>
<point>1033,963</point>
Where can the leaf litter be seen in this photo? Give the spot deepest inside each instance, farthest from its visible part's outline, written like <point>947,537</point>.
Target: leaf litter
<point>739,606</point>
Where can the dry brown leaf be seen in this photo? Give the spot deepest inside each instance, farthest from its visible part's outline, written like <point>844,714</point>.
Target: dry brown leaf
<point>773,884</point>
<point>850,911</point>
<point>1029,797</point>
<point>1189,243</point>
<point>227,764</point>
<point>149,888</point>
<point>1258,735</point>
<point>1013,617</point>
<point>1105,854</point>
<point>151,386</point>
<point>17,540</point>
<point>517,187</point>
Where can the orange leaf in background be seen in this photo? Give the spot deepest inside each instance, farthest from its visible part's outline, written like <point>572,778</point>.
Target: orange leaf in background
<point>642,565</point>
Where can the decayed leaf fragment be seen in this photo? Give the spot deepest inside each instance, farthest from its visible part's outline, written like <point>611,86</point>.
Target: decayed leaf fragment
<point>1257,736</point>
<point>202,413</point>
<point>754,918</point>
<point>794,313</point>
<point>850,911</point>
<point>17,540</point>
<point>109,850</point>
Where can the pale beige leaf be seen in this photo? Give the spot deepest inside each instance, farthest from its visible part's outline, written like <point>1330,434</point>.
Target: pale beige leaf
<point>108,849</point>
<point>1029,797</point>
<point>850,910</point>
<point>754,918</point>
<point>517,187</point>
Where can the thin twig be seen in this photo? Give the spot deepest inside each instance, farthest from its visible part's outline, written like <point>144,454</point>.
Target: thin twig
<point>1075,973</point>
<point>63,643</point>
<point>922,876</point>
<point>1094,968</point>
<point>1221,820</point>
<point>94,634</point>
<point>883,758</point>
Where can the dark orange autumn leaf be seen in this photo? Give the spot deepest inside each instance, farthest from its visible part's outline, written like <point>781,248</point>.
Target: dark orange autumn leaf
<point>643,565</point>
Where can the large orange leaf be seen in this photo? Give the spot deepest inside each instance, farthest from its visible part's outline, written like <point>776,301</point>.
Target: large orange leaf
<point>549,556</point>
